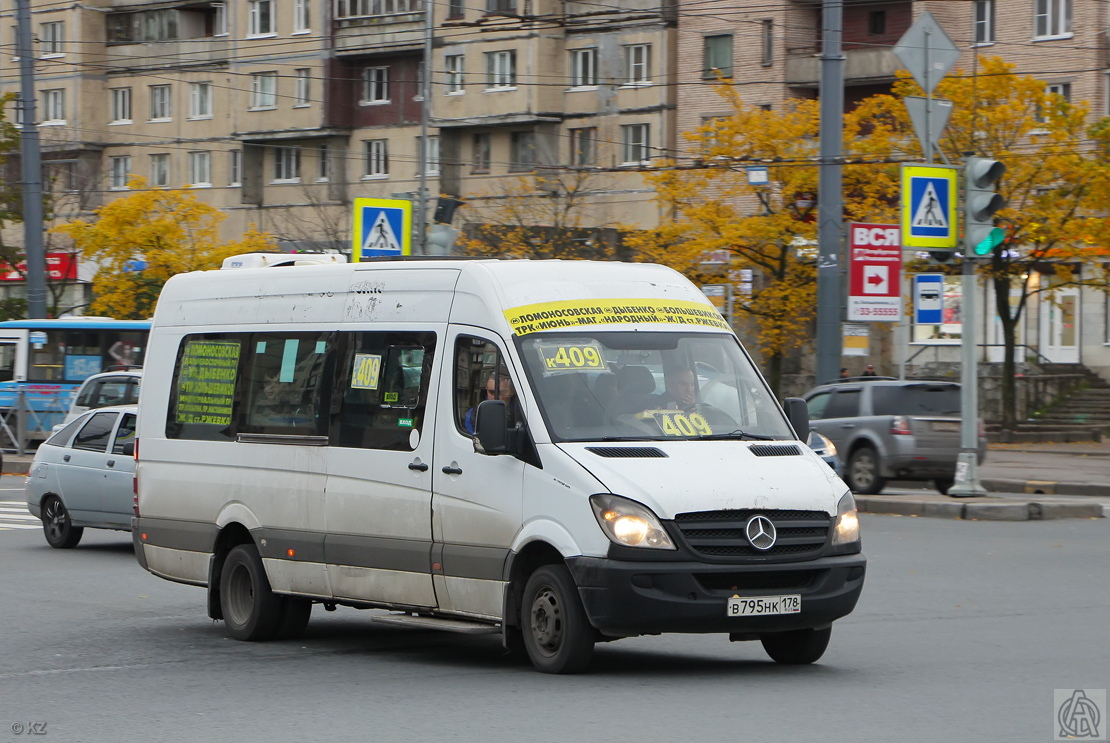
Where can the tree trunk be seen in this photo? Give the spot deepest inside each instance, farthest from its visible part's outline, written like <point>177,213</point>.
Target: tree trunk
<point>774,373</point>
<point>1009,342</point>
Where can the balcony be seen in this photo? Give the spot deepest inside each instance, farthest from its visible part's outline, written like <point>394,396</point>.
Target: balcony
<point>373,26</point>
<point>174,53</point>
<point>861,67</point>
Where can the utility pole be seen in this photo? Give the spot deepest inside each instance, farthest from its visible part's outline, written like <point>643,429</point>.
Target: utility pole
<point>425,116</point>
<point>830,200</point>
<point>32,166</point>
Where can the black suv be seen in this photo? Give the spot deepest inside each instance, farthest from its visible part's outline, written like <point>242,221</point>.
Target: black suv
<point>891,429</point>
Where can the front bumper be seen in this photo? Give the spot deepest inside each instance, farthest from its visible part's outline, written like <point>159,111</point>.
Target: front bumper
<point>625,598</point>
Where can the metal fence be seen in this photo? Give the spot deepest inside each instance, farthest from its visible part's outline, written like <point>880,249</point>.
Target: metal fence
<point>31,418</point>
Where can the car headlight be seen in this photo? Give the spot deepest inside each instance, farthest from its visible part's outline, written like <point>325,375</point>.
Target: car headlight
<point>628,523</point>
<point>827,445</point>
<point>846,527</point>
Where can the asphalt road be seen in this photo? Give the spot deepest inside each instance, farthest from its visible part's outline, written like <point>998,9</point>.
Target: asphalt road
<point>963,632</point>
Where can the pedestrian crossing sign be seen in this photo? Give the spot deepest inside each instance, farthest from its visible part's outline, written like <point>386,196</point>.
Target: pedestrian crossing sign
<point>381,227</point>
<point>929,207</point>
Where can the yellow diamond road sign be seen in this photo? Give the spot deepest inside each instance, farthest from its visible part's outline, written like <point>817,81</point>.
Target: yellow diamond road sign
<point>929,207</point>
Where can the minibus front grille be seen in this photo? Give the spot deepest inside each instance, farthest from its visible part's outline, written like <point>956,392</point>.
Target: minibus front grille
<point>794,580</point>
<point>627,452</point>
<point>721,534</point>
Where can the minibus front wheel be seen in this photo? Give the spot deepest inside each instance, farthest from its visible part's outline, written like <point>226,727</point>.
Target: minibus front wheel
<point>557,635</point>
<point>252,611</point>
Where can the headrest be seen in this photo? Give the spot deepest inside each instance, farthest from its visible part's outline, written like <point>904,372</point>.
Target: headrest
<point>635,379</point>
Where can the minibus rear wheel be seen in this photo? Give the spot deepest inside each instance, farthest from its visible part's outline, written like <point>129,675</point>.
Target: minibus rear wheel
<point>557,634</point>
<point>797,647</point>
<point>252,611</point>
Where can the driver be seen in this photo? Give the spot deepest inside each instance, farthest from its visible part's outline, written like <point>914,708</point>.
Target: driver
<point>680,389</point>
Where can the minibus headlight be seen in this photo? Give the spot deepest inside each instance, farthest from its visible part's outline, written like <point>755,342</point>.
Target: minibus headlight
<point>628,523</point>
<point>846,528</point>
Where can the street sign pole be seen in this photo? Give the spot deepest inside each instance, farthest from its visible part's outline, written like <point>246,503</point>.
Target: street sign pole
<point>967,466</point>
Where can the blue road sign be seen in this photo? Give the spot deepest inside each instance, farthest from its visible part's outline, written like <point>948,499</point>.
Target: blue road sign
<point>928,298</point>
<point>929,207</point>
<point>381,227</point>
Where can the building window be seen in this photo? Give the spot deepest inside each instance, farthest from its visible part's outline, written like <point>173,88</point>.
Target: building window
<point>1061,89</point>
<point>876,22</point>
<point>302,21</point>
<point>200,101</point>
<point>454,64</point>
<point>419,96</point>
<point>200,169</point>
<point>119,171</point>
<point>235,168</point>
<point>349,9</point>
<point>481,148</point>
<point>160,103</point>
<point>377,158</point>
<point>121,105</point>
<point>718,56</point>
<point>219,19</point>
<point>500,6</point>
<point>160,170</point>
<point>500,70</point>
<point>375,85</point>
<point>261,18</point>
<point>1052,18</point>
<point>431,156</point>
<point>637,64</point>
<point>146,25</point>
<point>583,146</point>
<point>522,151</point>
<point>52,38</point>
<point>287,164</point>
<point>323,163</point>
<point>54,106</point>
<point>767,58</point>
<point>583,68</point>
<point>984,21</point>
<point>636,144</point>
<point>304,86</point>
<point>456,9</point>
<point>264,90</point>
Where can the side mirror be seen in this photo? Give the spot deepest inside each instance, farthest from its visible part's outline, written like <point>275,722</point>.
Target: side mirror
<point>128,449</point>
<point>798,414</point>
<point>492,426</point>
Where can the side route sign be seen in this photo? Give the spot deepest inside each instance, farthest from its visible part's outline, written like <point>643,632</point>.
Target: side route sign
<point>381,227</point>
<point>874,273</point>
<point>929,207</point>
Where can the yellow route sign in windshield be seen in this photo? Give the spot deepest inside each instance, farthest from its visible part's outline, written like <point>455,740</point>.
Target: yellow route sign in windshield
<point>575,313</point>
<point>572,357</point>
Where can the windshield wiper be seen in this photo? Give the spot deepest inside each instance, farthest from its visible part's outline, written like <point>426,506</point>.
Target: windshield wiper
<point>737,434</point>
<point>628,438</point>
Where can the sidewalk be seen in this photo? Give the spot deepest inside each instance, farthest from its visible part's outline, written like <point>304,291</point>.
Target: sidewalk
<point>1025,482</point>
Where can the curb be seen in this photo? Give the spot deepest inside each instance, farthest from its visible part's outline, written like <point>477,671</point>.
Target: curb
<point>979,510</point>
<point>1046,487</point>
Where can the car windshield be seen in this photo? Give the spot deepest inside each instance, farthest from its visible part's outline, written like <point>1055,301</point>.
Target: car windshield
<point>648,386</point>
<point>916,399</point>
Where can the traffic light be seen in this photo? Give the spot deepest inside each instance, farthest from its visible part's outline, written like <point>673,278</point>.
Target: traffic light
<point>981,175</point>
<point>441,239</point>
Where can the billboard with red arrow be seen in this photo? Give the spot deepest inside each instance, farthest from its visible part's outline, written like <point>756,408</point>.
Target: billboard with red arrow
<point>874,272</point>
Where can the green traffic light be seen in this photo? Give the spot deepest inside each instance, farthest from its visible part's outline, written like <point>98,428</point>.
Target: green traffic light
<point>994,238</point>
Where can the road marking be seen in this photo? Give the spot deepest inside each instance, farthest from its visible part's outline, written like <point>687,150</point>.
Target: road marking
<point>14,515</point>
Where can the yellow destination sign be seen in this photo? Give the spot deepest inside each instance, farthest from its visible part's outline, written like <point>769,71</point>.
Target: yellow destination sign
<point>576,313</point>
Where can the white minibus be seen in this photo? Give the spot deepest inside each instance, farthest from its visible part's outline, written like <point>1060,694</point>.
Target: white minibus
<point>558,452</point>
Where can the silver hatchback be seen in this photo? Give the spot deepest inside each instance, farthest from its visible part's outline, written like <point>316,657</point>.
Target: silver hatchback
<point>891,429</point>
<point>82,476</point>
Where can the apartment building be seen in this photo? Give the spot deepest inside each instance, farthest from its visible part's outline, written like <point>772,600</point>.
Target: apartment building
<point>281,112</point>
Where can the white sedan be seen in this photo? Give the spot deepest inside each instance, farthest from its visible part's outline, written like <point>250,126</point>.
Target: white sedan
<point>82,476</point>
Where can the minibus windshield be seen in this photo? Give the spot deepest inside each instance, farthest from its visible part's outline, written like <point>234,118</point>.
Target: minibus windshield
<point>620,386</point>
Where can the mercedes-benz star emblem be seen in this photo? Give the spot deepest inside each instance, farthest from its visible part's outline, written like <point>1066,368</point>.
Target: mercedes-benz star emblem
<point>761,532</point>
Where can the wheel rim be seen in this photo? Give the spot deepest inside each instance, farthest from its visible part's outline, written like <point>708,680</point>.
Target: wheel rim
<point>863,470</point>
<point>547,621</point>
<point>55,520</point>
<point>240,595</point>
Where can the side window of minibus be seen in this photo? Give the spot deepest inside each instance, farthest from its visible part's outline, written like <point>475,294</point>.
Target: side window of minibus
<point>284,384</point>
<point>480,374</point>
<point>383,383</point>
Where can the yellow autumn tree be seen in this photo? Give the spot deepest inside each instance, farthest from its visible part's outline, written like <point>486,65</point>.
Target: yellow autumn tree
<point>163,232</point>
<point>768,227</point>
<point>1056,184</point>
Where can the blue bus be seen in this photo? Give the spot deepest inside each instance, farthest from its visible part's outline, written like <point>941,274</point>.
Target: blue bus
<point>48,360</point>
